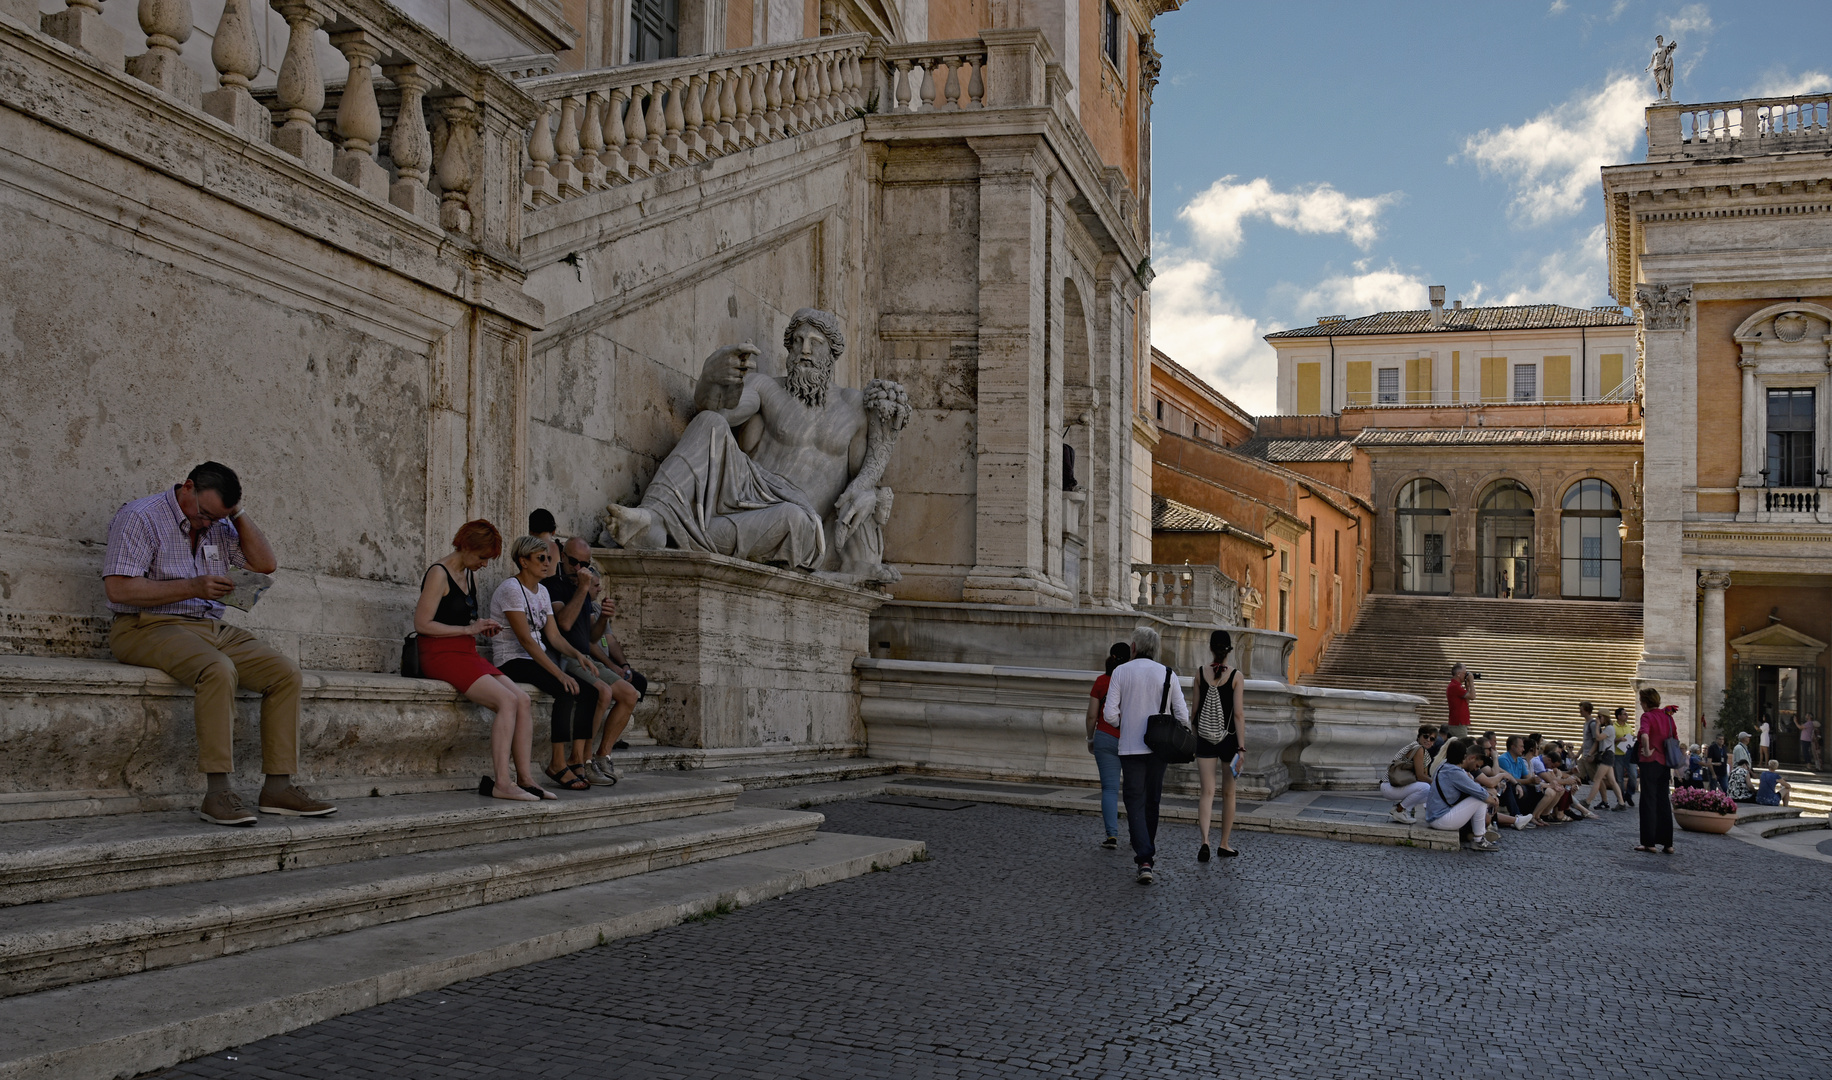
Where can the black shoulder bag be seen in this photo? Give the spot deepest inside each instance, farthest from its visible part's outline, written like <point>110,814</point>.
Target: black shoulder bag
<point>1165,736</point>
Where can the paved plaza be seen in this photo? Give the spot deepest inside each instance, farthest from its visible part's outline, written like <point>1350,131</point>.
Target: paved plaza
<point>1021,949</point>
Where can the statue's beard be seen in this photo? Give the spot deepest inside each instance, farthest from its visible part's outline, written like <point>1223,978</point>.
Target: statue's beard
<point>809,382</point>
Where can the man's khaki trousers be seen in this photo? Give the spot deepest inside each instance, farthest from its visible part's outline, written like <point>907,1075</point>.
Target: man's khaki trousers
<point>214,657</point>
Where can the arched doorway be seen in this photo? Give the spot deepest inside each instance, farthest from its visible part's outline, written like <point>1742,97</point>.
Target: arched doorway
<point>1504,540</point>
<point>1589,547</point>
<point>1423,512</point>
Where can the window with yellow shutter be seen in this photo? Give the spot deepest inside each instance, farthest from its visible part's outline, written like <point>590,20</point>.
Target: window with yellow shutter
<point>1361,382</point>
<point>1310,389</point>
<point>1418,381</point>
<point>1610,375</point>
<point>1557,385</point>
<point>1494,378</point>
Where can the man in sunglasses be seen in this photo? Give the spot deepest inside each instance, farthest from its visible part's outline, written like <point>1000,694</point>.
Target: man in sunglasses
<point>582,613</point>
<point>165,575</point>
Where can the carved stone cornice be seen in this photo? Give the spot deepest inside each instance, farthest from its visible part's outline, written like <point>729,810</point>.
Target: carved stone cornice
<point>1663,307</point>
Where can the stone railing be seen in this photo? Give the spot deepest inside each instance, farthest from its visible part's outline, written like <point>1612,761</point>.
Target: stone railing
<point>615,125</point>
<point>1185,593</point>
<point>1790,501</point>
<point>930,76</point>
<point>438,163</point>
<point>1747,128</point>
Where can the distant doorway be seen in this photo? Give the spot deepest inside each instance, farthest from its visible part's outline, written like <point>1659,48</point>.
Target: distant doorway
<point>1590,548</point>
<point>1504,537</point>
<point>1423,513</point>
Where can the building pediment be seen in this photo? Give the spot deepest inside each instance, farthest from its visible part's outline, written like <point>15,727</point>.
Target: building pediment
<point>1779,645</point>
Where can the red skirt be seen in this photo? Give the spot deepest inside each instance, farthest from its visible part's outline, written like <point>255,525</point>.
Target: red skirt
<point>453,659</point>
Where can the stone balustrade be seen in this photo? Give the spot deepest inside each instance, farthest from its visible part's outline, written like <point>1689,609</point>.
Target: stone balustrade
<point>1186,593</point>
<point>438,160</point>
<point>615,125</point>
<point>930,76</point>
<point>1747,128</point>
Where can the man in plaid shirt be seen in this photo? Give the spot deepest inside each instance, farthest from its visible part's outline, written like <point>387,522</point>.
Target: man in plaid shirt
<point>165,575</point>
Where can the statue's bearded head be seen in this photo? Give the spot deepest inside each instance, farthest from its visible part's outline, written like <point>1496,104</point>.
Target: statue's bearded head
<point>815,345</point>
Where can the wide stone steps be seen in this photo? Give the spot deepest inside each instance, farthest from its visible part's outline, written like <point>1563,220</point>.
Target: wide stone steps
<point>1539,658</point>
<point>70,941</point>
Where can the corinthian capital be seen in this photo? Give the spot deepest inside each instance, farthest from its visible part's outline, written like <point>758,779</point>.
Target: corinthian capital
<point>1714,579</point>
<point>1663,307</point>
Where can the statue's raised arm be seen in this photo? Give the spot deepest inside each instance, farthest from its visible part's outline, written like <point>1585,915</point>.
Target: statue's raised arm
<point>721,387</point>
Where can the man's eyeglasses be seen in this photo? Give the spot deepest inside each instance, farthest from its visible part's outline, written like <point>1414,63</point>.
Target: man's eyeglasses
<point>575,564</point>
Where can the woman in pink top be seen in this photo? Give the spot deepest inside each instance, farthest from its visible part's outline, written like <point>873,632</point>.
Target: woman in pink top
<point>1656,778</point>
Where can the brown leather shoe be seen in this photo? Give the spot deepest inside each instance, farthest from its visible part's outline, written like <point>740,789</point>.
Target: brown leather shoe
<point>295,803</point>
<point>225,808</point>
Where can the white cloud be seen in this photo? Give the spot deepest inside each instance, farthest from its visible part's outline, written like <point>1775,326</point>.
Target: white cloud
<point>1197,324</point>
<point>1573,276</point>
<point>1559,7</point>
<point>1781,83</point>
<point>1363,293</point>
<point>1551,161</point>
<point>1692,28</point>
<point>1216,215</point>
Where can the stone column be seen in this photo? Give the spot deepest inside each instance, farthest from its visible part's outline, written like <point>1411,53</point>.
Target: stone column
<point>1753,450</point>
<point>1009,556</point>
<point>1669,368</point>
<point>1711,674</point>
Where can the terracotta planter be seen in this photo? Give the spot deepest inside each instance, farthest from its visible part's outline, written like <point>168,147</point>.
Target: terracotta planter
<point>1703,821</point>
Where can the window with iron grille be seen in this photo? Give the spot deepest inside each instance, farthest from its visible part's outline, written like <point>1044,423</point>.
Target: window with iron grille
<point>1790,438</point>
<point>1110,34</point>
<point>1526,382</point>
<point>1389,386</point>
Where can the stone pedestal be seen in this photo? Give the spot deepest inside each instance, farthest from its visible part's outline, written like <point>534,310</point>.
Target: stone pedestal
<point>1350,736</point>
<point>752,656</point>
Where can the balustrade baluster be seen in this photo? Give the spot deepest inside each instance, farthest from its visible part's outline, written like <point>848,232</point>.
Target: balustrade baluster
<point>706,99</point>
<point>804,92</point>
<point>855,79</point>
<point>236,54</point>
<point>827,81</point>
<point>952,93</point>
<point>591,140</point>
<point>904,90</point>
<point>655,121</point>
<point>456,171</point>
<point>730,119</point>
<point>543,186</point>
<point>976,85</point>
<point>929,89</point>
<point>748,121</point>
<point>566,150</point>
<point>167,24</point>
<point>675,117</point>
<point>300,90</point>
<point>410,145</point>
<point>81,26</point>
<point>636,133</point>
<point>772,97</point>
<point>791,76</point>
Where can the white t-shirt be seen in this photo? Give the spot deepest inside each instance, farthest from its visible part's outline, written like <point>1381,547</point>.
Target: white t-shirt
<point>512,595</point>
<point>1764,730</point>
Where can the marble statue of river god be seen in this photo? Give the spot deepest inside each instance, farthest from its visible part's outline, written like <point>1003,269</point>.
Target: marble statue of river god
<point>780,471</point>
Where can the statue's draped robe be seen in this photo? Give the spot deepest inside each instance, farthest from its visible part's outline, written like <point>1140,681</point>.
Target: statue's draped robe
<point>712,497</point>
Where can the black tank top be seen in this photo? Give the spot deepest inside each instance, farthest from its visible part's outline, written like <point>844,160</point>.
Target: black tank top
<point>456,607</point>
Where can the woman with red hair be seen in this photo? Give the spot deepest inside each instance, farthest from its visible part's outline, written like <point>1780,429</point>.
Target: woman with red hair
<point>446,620</point>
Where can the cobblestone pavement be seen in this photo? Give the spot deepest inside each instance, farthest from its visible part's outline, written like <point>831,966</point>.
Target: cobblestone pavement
<point>1023,950</point>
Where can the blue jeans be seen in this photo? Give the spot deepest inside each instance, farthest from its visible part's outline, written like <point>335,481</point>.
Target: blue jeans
<point>1628,775</point>
<point>1106,750</point>
<point>1142,785</point>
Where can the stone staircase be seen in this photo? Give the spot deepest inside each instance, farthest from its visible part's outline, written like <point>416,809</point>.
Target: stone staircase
<point>1538,658</point>
<point>130,942</point>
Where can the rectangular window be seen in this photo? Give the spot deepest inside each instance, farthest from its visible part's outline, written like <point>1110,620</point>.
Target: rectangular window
<point>1418,381</point>
<point>1313,599</point>
<point>1284,561</point>
<point>1110,34</point>
<point>1313,541</point>
<point>1310,389</point>
<point>655,30</point>
<point>1456,376</point>
<point>1526,382</point>
<point>1590,556</point>
<point>1790,438</point>
<point>1494,378</point>
<point>1609,375</point>
<point>1361,382</point>
<point>1160,405</point>
<point>1335,605</point>
<point>1284,611</point>
<point>1558,378</point>
<point>1389,386</point>
<point>1336,554</point>
<point>1434,553</point>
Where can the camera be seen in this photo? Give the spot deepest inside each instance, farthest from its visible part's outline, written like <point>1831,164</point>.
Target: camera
<point>1475,674</point>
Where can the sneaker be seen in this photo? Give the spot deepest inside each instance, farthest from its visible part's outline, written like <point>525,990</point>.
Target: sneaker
<point>1145,874</point>
<point>1111,843</point>
<point>1520,823</point>
<point>1202,853</point>
<point>596,774</point>
<point>1399,816</point>
<point>294,803</point>
<point>1485,845</point>
<point>1492,836</point>
<point>1620,806</point>
<point>225,808</point>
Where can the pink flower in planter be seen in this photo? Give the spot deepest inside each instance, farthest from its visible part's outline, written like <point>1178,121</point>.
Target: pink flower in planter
<point>1704,801</point>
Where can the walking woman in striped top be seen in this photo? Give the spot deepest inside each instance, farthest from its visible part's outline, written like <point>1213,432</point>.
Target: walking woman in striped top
<point>1220,699</point>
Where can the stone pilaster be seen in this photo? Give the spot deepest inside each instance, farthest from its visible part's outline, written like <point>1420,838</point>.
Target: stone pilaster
<point>1669,367</point>
<point>1711,674</point>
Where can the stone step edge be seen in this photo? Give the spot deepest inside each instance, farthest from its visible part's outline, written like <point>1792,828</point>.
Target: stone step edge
<point>65,871</point>
<point>1774,827</point>
<point>139,1023</point>
<point>1354,832</point>
<point>43,959</point>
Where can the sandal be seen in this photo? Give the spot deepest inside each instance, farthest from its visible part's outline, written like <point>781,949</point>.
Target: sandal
<point>537,792</point>
<point>576,783</point>
<point>1644,850</point>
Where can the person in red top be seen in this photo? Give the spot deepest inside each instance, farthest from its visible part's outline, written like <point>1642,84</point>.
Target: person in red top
<point>1459,694</point>
<point>1104,744</point>
<point>1656,777</point>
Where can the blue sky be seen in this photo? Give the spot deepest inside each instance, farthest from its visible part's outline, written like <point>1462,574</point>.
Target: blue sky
<point>1337,158</point>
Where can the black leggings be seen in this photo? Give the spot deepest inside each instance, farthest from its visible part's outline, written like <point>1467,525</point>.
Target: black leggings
<point>571,718</point>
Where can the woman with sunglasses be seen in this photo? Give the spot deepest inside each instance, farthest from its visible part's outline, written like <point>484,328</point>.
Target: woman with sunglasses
<point>522,604</point>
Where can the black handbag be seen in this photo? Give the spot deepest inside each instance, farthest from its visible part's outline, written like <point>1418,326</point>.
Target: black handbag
<point>410,656</point>
<point>1165,736</point>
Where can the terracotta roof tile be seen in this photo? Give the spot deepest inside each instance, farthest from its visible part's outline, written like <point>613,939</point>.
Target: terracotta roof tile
<point>1272,448</point>
<point>1522,317</point>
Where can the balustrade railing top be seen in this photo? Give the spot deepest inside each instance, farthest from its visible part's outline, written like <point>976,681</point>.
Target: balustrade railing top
<point>451,107</point>
<point>1186,592</point>
<point>614,125</point>
<point>1747,128</point>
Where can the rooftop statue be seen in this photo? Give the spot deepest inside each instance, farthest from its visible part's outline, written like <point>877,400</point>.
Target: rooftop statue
<point>1661,64</point>
<point>780,471</point>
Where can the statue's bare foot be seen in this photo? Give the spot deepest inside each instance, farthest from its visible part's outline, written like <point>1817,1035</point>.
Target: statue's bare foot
<point>636,527</point>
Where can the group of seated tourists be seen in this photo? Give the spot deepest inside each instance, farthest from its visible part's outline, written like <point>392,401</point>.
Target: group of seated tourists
<point>171,562</point>
<point>1465,786</point>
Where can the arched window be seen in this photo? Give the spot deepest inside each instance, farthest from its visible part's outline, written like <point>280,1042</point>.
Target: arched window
<point>1589,547</point>
<point>1504,540</point>
<point>1424,533</point>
